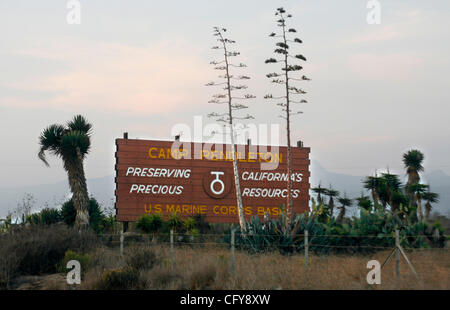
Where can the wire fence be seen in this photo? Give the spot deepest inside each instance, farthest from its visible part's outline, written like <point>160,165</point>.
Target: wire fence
<point>304,244</point>
<point>272,241</point>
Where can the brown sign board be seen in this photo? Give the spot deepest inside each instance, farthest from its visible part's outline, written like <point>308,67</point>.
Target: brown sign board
<point>192,179</point>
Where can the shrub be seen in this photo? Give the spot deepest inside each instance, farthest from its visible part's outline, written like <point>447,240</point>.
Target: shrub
<point>83,259</point>
<point>371,232</point>
<point>189,224</point>
<point>150,223</point>
<point>119,279</point>
<point>39,249</point>
<point>141,258</point>
<point>50,216</point>
<point>69,214</point>
<point>47,216</point>
<point>174,222</point>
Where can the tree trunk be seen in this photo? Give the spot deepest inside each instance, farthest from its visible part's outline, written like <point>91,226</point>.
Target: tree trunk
<point>413,178</point>
<point>80,198</point>
<point>375,198</point>
<point>238,186</point>
<point>340,217</point>
<point>419,211</point>
<point>289,203</point>
<point>235,164</point>
<point>331,206</point>
<point>428,208</point>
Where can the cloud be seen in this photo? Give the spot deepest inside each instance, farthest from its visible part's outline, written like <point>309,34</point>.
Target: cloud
<point>159,77</point>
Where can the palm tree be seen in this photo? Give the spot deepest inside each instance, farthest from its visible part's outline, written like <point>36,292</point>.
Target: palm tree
<point>319,190</point>
<point>373,184</point>
<point>430,197</point>
<point>71,143</point>
<point>331,193</point>
<point>393,184</point>
<point>345,202</point>
<point>364,202</point>
<point>412,161</point>
<point>418,190</point>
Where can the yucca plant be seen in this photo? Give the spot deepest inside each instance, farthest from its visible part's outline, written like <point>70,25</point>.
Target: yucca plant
<point>364,202</point>
<point>319,191</point>
<point>430,198</point>
<point>373,184</point>
<point>418,190</point>
<point>71,143</point>
<point>331,193</point>
<point>345,202</point>
<point>174,222</point>
<point>412,161</point>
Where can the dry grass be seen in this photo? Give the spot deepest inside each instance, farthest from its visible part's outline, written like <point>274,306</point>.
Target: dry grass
<point>209,268</point>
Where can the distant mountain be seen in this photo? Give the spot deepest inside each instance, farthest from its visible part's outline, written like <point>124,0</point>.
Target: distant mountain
<point>103,189</point>
<point>351,185</point>
<point>440,183</point>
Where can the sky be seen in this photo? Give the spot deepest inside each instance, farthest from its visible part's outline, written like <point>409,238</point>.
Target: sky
<point>376,90</point>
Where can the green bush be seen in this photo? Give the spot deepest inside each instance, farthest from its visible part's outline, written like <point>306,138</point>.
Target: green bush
<point>150,223</point>
<point>124,278</point>
<point>46,216</point>
<point>83,259</point>
<point>372,231</point>
<point>189,224</point>
<point>174,222</point>
<point>50,216</point>
<point>69,214</point>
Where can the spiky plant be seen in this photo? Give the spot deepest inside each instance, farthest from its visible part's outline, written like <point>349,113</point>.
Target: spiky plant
<point>418,190</point>
<point>286,78</point>
<point>331,193</point>
<point>229,98</point>
<point>319,190</point>
<point>430,198</point>
<point>393,185</point>
<point>412,160</point>
<point>71,143</point>
<point>364,202</point>
<point>373,184</point>
<point>345,202</point>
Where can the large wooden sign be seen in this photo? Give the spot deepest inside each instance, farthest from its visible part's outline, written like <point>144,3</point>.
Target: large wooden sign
<point>196,178</point>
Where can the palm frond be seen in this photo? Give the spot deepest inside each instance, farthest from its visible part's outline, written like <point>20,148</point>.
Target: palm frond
<point>74,140</point>
<point>49,140</point>
<point>79,123</point>
<point>413,160</point>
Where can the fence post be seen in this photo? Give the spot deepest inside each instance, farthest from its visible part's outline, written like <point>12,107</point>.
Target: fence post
<point>121,242</point>
<point>397,254</point>
<point>171,249</point>
<point>306,250</point>
<point>232,251</point>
